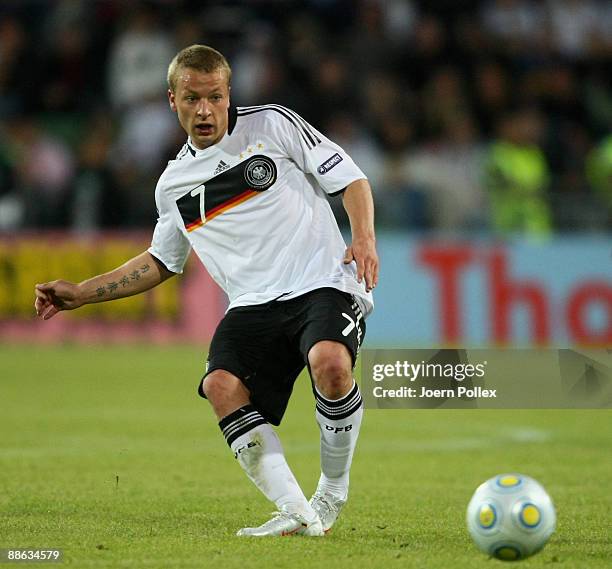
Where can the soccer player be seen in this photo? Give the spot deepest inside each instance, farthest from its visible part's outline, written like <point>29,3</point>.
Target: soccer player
<point>248,192</point>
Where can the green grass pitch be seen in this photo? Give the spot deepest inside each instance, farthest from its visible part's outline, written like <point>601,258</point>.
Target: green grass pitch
<point>109,454</point>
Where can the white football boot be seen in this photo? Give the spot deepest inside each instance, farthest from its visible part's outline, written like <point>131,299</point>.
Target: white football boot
<point>327,507</point>
<point>285,523</point>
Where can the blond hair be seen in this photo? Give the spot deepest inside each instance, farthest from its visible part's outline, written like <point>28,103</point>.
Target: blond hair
<point>198,57</point>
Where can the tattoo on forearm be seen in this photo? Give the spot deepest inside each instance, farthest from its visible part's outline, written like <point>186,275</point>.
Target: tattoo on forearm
<point>123,281</point>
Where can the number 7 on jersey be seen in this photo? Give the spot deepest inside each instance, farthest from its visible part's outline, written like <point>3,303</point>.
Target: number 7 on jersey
<point>200,190</point>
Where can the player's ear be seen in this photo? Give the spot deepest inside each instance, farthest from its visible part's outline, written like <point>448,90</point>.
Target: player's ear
<point>172,100</point>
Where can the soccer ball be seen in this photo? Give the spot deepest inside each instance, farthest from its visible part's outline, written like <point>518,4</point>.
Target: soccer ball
<point>511,517</point>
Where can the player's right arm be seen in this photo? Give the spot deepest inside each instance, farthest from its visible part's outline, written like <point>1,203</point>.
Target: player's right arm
<point>165,258</point>
<point>137,275</point>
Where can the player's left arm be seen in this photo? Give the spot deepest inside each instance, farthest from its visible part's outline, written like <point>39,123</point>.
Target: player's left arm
<point>359,206</point>
<point>332,167</point>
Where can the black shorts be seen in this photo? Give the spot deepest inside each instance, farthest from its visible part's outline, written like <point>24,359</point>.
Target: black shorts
<point>266,346</point>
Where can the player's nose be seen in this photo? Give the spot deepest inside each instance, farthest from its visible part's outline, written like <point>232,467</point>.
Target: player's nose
<point>202,109</point>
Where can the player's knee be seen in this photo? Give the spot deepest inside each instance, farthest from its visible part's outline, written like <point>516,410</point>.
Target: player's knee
<point>331,368</point>
<point>220,386</point>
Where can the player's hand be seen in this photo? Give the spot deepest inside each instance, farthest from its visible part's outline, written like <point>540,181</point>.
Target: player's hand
<point>363,252</point>
<point>55,296</point>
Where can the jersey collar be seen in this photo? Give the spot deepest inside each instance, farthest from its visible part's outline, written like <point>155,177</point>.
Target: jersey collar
<point>231,123</point>
<point>233,116</point>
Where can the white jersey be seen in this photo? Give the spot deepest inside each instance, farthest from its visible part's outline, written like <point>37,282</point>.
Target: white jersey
<point>253,207</point>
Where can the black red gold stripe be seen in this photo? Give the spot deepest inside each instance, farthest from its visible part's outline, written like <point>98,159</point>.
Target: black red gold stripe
<point>221,208</point>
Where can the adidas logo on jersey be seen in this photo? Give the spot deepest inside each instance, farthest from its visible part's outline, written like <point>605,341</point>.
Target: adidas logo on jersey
<point>221,167</point>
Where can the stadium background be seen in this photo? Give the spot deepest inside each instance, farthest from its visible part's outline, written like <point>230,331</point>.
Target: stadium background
<point>485,129</point>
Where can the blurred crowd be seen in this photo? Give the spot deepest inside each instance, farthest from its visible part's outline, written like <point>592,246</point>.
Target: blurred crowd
<point>491,115</point>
